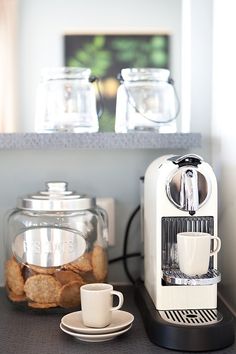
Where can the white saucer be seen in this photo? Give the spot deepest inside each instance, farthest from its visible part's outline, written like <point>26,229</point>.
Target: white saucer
<point>94,337</point>
<point>120,320</point>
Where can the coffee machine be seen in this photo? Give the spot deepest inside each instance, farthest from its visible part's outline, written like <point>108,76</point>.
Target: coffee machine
<point>180,312</point>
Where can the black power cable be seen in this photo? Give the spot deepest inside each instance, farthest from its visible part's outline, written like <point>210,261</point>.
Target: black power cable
<point>130,255</point>
<point>125,245</point>
<point>126,255</point>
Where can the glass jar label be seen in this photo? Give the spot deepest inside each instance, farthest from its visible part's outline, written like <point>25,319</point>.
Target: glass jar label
<point>48,246</point>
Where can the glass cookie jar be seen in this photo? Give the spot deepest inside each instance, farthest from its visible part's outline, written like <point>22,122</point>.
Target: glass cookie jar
<point>56,241</point>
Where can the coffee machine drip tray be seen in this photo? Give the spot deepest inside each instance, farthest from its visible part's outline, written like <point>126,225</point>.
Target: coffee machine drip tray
<point>192,317</point>
<point>176,277</point>
<point>191,330</point>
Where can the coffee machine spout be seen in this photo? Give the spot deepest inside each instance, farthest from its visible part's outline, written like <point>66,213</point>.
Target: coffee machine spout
<point>189,196</point>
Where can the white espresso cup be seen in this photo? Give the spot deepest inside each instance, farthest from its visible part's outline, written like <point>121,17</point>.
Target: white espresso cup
<point>194,251</point>
<point>97,304</point>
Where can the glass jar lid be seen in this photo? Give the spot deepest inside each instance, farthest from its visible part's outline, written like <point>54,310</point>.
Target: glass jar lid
<point>56,198</point>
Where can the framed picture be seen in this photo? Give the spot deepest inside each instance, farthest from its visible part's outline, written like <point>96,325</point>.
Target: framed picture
<point>106,54</point>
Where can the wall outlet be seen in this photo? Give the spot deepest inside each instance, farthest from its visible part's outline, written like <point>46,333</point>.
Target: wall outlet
<point>109,205</point>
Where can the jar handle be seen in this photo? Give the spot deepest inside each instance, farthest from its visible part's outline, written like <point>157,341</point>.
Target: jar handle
<point>100,110</point>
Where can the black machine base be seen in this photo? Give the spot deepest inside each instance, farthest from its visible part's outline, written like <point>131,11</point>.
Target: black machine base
<point>194,338</point>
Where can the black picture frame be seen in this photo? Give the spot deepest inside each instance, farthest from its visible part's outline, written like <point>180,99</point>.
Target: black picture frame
<point>107,53</point>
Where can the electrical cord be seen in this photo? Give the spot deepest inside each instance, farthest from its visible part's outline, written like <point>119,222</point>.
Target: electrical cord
<point>129,255</point>
<point>126,255</point>
<point>125,246</point>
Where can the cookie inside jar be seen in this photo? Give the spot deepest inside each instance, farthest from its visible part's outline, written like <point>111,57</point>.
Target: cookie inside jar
<point>54,287</point>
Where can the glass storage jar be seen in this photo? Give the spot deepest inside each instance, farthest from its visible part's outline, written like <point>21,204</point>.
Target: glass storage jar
<point>146,101</point>
<point>66,101</point>
<point>56,241</point>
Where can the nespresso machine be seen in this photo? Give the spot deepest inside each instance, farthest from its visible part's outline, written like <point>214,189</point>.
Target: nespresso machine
<point>180,312</point>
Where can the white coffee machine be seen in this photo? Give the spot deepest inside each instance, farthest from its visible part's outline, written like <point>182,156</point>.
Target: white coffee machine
<point>180,312</point>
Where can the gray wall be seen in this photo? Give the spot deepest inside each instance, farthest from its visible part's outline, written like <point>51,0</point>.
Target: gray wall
<point>223,141</point>
<point>101,173</point>
<point>201,71</point>
<point>47,21</point>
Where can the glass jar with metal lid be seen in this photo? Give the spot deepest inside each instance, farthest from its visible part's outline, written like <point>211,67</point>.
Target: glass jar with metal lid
<point>56,241</point>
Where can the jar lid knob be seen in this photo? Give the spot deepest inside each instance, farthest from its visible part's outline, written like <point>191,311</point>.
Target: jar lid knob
<point>56,187</point>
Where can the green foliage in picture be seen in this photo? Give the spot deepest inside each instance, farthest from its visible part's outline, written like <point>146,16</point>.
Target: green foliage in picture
<point>152,53</point>
<point>93,55</point>
<point>106,55</point>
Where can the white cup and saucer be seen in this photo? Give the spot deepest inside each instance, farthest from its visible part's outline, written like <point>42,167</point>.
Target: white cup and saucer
<point>98,319</point>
